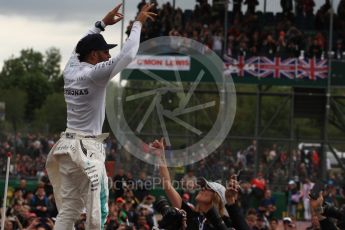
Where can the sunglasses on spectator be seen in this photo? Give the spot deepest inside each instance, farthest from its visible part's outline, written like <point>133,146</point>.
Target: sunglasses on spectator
<point>202,183</point>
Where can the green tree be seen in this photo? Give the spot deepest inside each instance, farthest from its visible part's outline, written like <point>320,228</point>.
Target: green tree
<point>15,100</point>
<point>52,69</point>
<point>52,64</point>
<point>37,74</point>
<point>15,69</point>
<point>53,113</point>
<point>37,88</point>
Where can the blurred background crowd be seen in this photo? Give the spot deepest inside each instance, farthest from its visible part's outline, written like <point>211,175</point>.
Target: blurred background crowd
<point>266,199</point>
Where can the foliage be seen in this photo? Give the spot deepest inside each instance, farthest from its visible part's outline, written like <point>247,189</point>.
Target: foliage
<point>37,88</point>
<point>15,102</point>
<point>51,64</point>
<point>52,113</point>
<point>34,75</point>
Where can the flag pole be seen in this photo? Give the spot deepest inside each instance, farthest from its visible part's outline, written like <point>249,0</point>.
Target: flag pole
<point>328,94</point>
<point>3,214</point>
<point>122,22</point>
<point>225,35</point>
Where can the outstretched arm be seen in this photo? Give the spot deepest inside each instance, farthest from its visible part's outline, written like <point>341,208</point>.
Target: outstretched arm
<point>111,18</point>
<point>172,194</point>
<point>317,210</point>
<point>104,71</point>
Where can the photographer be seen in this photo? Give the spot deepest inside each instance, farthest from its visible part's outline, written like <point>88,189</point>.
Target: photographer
<point>209,212</point>
<point>172,218</point>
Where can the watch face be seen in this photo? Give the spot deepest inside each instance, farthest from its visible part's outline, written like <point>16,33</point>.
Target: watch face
<point>98,24</point>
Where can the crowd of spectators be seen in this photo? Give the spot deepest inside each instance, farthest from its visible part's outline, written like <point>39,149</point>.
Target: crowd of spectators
<point>293,32</point>
<point>131,200</point>
<point>30,155</point>
<point>298,164</point>
<point>31,209</point>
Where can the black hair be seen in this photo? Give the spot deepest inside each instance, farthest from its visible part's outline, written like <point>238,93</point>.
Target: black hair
<point>83,56</point>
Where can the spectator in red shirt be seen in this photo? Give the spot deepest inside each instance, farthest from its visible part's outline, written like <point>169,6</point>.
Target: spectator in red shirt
<point>258,185</point>
<point>315,159</point>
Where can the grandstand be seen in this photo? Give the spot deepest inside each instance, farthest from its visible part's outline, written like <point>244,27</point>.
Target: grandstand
<point>281,57</point>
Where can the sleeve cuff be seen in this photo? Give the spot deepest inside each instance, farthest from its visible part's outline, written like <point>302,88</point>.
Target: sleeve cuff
<point>137,23</point>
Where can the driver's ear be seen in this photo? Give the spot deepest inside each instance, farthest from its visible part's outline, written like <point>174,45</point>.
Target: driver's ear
<point>92,57</point>
<point>93,54</point>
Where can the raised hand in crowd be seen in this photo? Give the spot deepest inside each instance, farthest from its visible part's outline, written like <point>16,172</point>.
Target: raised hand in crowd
<point>232,190</point>
<point>231,196</point>
<point>317,210</point>
<point>158,149</point>
<point>50,223</point>
<point>316,207</point>
<point>33,224</point>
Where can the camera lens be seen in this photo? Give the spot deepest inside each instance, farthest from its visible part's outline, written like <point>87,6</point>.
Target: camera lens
<point>171,218</point>
<point>162,206</point>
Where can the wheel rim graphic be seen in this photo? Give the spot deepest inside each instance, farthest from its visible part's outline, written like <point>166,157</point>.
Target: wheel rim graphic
<point>209,142</point>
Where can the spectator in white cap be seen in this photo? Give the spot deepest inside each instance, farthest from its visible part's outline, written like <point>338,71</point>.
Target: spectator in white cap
<point>288,224</point>
<point>211,200</point>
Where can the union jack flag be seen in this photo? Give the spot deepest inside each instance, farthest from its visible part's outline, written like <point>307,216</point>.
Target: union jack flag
<point>312,69</point>
<point>277,67</point>
<point>291,68</point>
<point>252,66</point>
<point>240,66</point>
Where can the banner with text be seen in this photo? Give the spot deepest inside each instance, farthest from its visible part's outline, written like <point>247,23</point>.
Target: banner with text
<point>178,63</point>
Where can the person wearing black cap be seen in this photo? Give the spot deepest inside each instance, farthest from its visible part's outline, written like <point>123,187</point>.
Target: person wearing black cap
<point>75,164</point>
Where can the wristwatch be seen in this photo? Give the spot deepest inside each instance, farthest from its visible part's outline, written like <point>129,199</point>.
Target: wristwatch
<point>100,25</point>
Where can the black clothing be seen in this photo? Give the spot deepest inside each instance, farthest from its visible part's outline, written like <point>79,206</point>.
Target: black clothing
<point>327,224</point>
<point>119,183</point>
<point>237,218</point>
<point>196,221</point>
